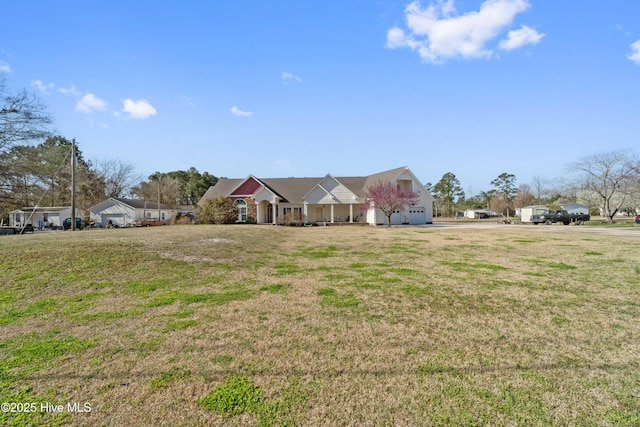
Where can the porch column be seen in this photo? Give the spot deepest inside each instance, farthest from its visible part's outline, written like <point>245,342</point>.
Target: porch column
<point>332,212</point>
<point>258,213</point>
<point>350,212</point>
<point>274,210</point>
<point>304,212</point>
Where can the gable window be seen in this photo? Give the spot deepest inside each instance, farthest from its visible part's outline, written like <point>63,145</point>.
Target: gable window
<point>242,210</point>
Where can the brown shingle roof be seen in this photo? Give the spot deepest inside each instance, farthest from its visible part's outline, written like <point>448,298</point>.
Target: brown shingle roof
<point>292,190</point>
<point>141,204</point>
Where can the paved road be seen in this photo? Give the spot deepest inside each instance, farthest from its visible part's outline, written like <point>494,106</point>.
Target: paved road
<point>555,228</point>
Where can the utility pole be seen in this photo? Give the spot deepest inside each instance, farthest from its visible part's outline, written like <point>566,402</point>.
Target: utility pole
<point>73,184</point>
<point>158,197</point>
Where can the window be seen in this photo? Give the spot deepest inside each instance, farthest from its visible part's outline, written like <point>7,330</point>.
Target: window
<point>295,211</point>
<point>294,214</point>
<point>242,210</point>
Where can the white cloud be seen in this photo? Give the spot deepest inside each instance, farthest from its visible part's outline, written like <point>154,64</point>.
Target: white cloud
<point>90,103</point>
<point>518,38</point>
<point>238,112</point>
<point>437,33</point>
<point>140,109</point>
<point>41,86</point>
<point>635,52</point>
<point>71,90</point>
<point>4,68</point>
<point>289,76</point>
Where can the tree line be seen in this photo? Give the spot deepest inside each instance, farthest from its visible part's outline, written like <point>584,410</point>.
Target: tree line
<point>35,165</point>
<point>34,170</point>
<point>608,182</point>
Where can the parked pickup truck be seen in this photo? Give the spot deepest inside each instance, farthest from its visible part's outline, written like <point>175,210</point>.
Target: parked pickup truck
<point>550,216</point>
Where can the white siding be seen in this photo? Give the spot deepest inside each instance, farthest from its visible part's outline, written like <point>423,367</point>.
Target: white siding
<point>111,209</point>
<point>264,195</point>
<point>318,196</point>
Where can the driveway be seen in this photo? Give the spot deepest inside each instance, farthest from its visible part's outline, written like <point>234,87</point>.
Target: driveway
<point>555,228</point>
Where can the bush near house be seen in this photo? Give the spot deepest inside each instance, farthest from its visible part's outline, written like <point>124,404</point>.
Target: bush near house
<point>291,219</point>
<point>218,211</point>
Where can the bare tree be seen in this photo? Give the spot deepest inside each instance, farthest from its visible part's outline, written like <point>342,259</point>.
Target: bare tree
<point>119,177</point>
<point>540,188</point>
<point>524,196</point>
<point>22,117</point>
<point>389,198</point>
<point>607,178</point>
<point>160,186</point>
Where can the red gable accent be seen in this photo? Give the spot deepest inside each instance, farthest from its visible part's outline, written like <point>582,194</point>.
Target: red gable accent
<point>247,188</point>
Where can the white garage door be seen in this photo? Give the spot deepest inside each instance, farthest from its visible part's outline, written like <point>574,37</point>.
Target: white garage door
<point>417,216</point>
<point>396,218</point>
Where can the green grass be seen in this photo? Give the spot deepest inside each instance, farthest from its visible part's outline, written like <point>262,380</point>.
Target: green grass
<point>241,325</point>
<point>239,395</point>
<point>173,374</point>
<point>236,395</point>
<point>330,296</point>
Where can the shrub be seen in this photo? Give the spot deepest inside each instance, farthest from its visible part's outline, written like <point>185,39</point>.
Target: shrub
<point>218,211</point>
<point>181,218</point>
<point>291,218</point>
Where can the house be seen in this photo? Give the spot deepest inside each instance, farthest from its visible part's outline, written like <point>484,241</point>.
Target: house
<point>479,213</point>
<point>124,212</point>
<point>575,208</point>
<point>42,217</point>
<point>528,211</point>
<point>325,199</point>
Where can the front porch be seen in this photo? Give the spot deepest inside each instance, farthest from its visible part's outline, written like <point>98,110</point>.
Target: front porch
<point>271,212</point>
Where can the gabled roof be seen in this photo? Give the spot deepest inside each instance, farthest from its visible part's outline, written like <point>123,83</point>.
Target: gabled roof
<point>293,190</point>
<point>132,203</point>
<point>335,191</point>
<point>248,187</point>
<point>141,204</point>
<point>290,190</point>
<point>223,187</point>
<point>44,209</point>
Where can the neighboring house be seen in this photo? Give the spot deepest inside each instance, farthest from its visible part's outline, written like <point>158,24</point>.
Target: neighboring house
<point>528,211</point>
<point>42,217</point>
<point>326,199</point>
<point>479,213</point>
<point>123,212</point>
<point>575,208</point>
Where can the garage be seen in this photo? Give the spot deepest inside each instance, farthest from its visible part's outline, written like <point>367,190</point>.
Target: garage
<point>396,218</point>
<point>116,219</point>
<point>417,215</point>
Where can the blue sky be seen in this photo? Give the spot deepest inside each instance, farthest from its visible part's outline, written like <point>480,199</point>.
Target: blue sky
<point>306,88</point>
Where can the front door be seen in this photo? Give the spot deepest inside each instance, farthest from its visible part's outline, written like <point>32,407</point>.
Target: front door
<point>319,214</point>
<point>269,214</point>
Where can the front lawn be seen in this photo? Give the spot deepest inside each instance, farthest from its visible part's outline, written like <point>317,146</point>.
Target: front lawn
<point>261,325</point>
